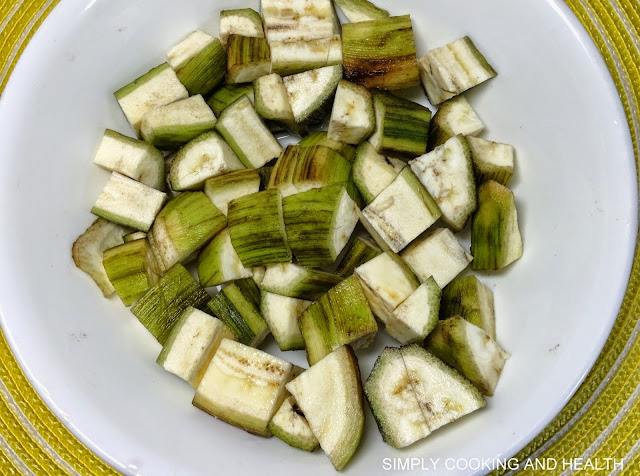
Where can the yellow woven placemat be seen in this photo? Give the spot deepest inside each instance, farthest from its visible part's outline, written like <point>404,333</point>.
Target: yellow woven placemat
<point>600,423</point>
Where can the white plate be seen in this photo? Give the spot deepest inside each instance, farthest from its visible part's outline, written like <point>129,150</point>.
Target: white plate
<point>94,364</point>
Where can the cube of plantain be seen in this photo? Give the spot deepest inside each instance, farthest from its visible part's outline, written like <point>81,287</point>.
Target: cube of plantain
<point>402,126</point>
<point>131,157</point>
<point>450,398</point>
<point>442,394</point>
<point>300,169</point>
<point>238,306</point>
<point>319,224</point>
<point>386,281</point>
<point>401,212</point>
<point>417,316</point>
<point>352,117</point>
<point>491,160</point>
<point>243,386</point>
<point>470,350</point>
<point>306,20</point>
<point>311,93</point>
<point>456,116</point>
<point>190,346</point>
<point>221,189</point>
<point>341,316</point>
<point>186,224</point>
<point>470,299</point>
<point>437,254</point>
<point>241,21</point>
<point>256,226</point>
<point>296,56</point>
<point>338,426</point>
<point>132,269</point>
<point>161,306</point>
<point>129,203</point>
<point>199,61</point>
<point>281,314</point>
<point>393,401</point>
<point>292,280</point>
<point>158,87</point>
<point>315,167</point>
<point>206,156</point>
<point>360,10</point>
<point>87,251</point>
<point>495,237</point>
<point>358,253</point>
<point>408,377</point>
<point>380,53</point>
<point>248,58</point>
<point>218,262</point>
<point>447,174</point>
<point>453,69</point>
<point>372,172</point>
<point>272,102</point>
<point>171,126</point>
<point>290,425</point>
<point>321,138</point>
<point>247,135</point>
<point>228,94</point>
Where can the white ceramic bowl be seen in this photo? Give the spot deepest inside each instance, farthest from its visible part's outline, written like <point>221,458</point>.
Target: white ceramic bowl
<point>95,365</point>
